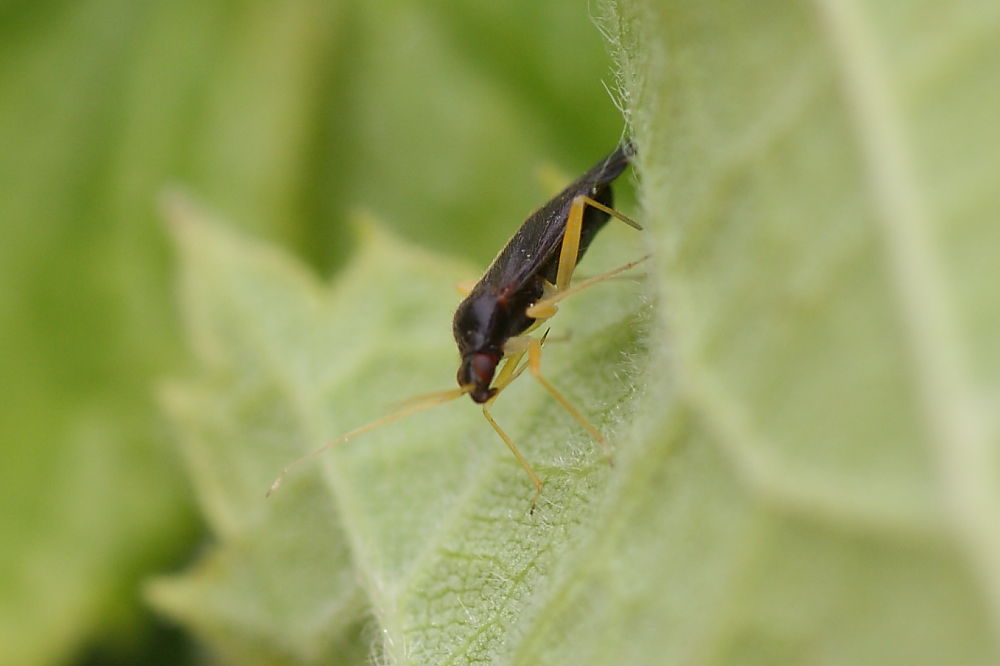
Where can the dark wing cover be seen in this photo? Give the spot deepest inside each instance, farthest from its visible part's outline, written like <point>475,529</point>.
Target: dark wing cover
<point>539,239</point>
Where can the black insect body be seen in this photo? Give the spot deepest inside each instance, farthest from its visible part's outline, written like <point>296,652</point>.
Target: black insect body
<point>517,292</point>
<point>496,308</point>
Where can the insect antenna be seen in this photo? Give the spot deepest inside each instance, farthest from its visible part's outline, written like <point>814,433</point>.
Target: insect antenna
<point>412,406</point>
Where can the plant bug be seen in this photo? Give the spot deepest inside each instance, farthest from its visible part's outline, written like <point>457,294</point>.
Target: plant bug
<point>517,293</point>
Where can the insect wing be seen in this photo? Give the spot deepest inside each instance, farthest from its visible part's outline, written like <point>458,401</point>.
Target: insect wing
<point>532,246</point>
<point>536,243</point>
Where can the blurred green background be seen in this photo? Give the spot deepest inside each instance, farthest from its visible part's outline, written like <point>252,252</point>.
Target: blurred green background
<point>282,117</point>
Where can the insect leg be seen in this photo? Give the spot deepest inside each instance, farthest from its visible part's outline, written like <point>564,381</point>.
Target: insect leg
<point>612,212</point>
<point>570,251</point>
<point>517,454</point>
<point>546,306</point>
<point>508,373</point>
<point>535,365</point>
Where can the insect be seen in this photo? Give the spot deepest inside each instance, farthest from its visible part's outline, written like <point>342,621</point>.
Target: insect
<point>517,293</point>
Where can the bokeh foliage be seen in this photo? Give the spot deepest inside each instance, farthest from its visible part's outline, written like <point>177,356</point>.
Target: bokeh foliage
<point>284,116</point>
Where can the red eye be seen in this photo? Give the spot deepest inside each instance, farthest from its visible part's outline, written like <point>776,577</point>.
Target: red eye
<point>483,366</point>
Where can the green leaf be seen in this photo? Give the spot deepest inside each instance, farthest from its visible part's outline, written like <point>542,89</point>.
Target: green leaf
<point>93,497</point>
<point>827,486</point>
<point>434,510</point>
<point>806,468</point>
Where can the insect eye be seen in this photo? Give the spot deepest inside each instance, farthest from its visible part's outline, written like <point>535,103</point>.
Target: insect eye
<point>483,366</point>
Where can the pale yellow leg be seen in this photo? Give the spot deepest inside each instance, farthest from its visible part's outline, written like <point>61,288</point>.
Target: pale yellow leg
<point>517,347</point>
<point>547,305</point>
<point>546,311</point>
<point>507,373</point>
<point>612,212</point>
<point>517,454</point>
<point>569,252</point>
<point>535,364</point>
